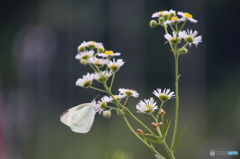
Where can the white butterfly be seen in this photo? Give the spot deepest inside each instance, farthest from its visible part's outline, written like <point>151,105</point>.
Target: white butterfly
<point>79,118</point>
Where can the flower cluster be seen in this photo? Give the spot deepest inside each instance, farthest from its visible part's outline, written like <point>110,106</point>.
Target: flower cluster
<point>172,19</point>
<point>104,66</point>
<point>149,105</point>
<point>94,54</point>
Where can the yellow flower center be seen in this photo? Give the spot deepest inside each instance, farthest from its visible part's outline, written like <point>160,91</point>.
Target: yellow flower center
<point>188,15</point>
<point>108,52</point>
<point>97,61</point>
<point>160,12</point>
<point>164,97</point>
<point>148,106</point>
<point>174,18</point>
<point>93,42</point>
<point>114,67</point>
<point>128,92</point>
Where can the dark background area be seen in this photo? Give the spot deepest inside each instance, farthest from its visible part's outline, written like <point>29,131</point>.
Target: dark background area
<point>38,71</point>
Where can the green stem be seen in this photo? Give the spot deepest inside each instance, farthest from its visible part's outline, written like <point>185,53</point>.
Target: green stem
<point>177,98</point>
<point>160,110</point>
<point>169,151</point>
<point>113,77</point>
<point>97,89</point>
<point>183,25</point>
<point>157,128</point>
<point>142,140</point>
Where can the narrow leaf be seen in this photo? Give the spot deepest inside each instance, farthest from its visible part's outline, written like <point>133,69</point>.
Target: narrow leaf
<point>166,128</point>
<point>151,140</point>
<point>179,138</point>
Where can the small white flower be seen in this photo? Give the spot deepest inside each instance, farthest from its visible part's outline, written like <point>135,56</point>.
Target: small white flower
<point>117,97</point>
<point>164,13</point>
<point>187,16</point>
<point>94,44</point>
<point>82,46</point>
<point>163,95</point>
<point>159,14</point>
<point>172,12</point>
<point>128,92</point>
<point>109,53</point>
<point>102,75</point>
<point>175,38</point>
<point>147,106</point>
<point>115,65</point>
<point>97,61</point>
<point>101,104</point>
<point>85,81</point>
<point>191,37</point>
<point>173,20</point>
<point>84,55</point>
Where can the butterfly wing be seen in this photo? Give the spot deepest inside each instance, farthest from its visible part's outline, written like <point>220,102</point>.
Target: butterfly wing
<point>83,120</point>
<point>79,118</point>
<point>67,116</point>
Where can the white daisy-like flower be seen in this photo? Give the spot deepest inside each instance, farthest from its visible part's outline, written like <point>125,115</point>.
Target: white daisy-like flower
<point>128,92</point>
<point>163,95</point>
<point>97,61</point>
<point>94,44</point>
<point>82,46</point>
<point>164,13</point>
<point>191,37</point>
<point>173,20</point>
<point>85,81</point>
<point>147,106</point>
<point>115,65</point>
<point>172,12</point>
<point>109,53</point>
<point>102,104</point>
<point>187,16</point>
<point>84,55</point>
<point>175,38</point>
<point>159,14</point>
<point>102,75</point>
<point>117,97</point>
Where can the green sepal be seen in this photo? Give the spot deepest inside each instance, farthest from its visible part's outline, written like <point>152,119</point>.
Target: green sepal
<point>179,138</point>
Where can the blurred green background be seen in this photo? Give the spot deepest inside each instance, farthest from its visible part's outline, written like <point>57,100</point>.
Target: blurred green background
<point>38,71</point>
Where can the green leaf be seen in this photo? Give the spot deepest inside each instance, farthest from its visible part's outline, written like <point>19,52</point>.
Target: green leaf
<point>158,157</point>
<point>179,138</point>
<point>151,140</point>
<point>166,126</point>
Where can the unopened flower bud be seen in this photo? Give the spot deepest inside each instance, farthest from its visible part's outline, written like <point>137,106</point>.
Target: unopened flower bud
<point>139,132</point>
<point>162,112</point>
<point>183,50</point>
<point>81,49</point>
<point>154,125</point>
<point>107,113</point>
<point>153,23</point>
<point>161,20</point>
<point>100,49</point>
<point>84,61</point>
